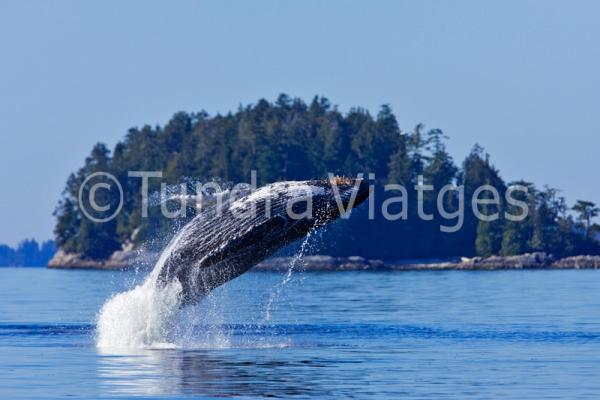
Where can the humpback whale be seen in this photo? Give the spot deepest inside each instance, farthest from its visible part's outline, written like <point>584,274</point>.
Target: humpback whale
<point>228,238</point>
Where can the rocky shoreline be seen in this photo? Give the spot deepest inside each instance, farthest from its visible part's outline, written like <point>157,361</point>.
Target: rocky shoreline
<point>525,261</point>
<point>144,259</point>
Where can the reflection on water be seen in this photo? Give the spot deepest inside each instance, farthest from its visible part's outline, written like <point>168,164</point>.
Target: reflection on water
<point>261,372</point>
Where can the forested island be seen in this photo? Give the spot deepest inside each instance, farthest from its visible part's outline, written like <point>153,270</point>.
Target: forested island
<point>28,253</point>
<point>289,139</point>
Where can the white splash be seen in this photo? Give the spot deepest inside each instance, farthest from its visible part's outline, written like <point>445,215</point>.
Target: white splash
<point>139,318</point>
<point>143,316</point>
<point>150,316</point>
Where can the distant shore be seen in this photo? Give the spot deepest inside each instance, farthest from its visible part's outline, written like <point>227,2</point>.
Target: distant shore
<point>539,260</point>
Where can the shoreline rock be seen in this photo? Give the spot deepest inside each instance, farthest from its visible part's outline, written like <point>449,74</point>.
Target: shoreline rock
<point>130,258</point>
<point>122,259</point>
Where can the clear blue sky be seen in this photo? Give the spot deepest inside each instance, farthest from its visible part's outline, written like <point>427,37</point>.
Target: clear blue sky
<point>522,78</point>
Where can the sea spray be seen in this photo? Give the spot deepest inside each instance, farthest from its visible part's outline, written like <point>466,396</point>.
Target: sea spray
<point>143,316</point>
<point>276,293</point>
<point>216,246</point>
<point>202,326</point>
<point>140,317</point>
<point>150,315</point>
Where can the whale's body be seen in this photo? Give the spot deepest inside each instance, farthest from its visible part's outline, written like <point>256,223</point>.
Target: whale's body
<point>227,239</point>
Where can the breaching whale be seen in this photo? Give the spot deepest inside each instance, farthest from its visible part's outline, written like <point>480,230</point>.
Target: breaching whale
<point>228,238</point>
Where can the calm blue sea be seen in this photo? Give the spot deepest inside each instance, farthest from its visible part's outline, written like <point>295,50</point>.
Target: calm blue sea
<point>446,335</point>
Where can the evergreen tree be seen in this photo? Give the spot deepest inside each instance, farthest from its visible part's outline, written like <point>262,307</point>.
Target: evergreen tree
<point>289,139</point>
<point>27,254</point>
<point>517,235</point>
<point>477,171</point>
<point>490,233</point>
<point>587,211</point>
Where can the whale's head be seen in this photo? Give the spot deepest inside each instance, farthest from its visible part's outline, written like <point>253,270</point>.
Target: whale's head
<point>326,200</point>
<point>224,241</point>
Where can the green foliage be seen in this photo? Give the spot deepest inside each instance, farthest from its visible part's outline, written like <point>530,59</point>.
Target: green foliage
<point>586,211</point>
<point>477,170</point>
<point>489,237</point>
<point>292,140</point>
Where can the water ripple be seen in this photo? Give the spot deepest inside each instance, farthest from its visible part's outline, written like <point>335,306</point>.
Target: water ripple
<point>337,331</point>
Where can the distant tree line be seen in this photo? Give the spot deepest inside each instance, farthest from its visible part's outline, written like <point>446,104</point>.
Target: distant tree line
<point>29,253</point>
<point>292,140</point>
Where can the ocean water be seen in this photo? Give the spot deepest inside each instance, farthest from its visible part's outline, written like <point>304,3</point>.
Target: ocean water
<point>447,335</point>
